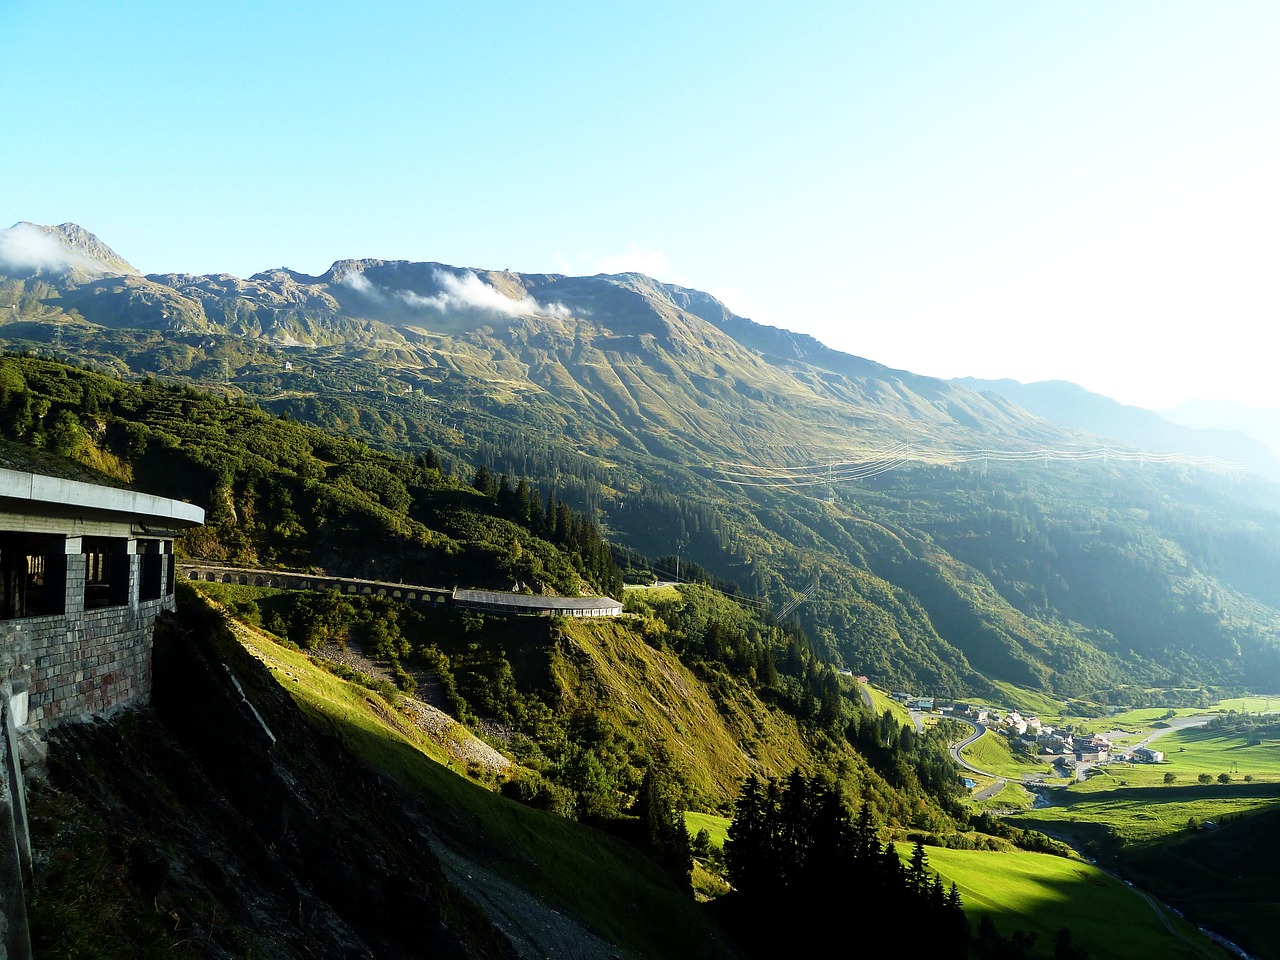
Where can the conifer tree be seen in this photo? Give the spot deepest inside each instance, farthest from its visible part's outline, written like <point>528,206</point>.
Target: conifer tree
<point>483,481</point>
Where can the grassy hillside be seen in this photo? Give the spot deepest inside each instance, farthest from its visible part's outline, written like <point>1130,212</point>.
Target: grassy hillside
<point>276,492</point>
<point>609,886</point>
<point>1041,895</point>
<point>493,851</point>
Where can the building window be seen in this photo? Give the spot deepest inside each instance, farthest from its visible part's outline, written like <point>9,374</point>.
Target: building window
<point>106,580</point>
<point>33,575</point>
<point>152,584</point>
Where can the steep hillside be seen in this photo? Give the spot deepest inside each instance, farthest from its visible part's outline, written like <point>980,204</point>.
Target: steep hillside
<point>241,818</point>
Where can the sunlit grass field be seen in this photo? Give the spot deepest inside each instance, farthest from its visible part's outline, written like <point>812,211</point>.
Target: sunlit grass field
<point>1199,750</point>
<point>716,827</point>
<point>1027,702</point>
<point>882,702</point>
<point>991,752</point>
<point>1134,815</point>
<point>1041,894</point>
<point>1013,796</point>
<point>1190,753</point>
<point>1259,703</point>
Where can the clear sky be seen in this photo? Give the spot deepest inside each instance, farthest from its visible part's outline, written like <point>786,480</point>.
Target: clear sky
<point>1081,191</point>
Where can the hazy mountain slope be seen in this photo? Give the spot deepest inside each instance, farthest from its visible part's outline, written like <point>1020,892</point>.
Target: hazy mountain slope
<point>1072,406</point>
<point>1260,423</point>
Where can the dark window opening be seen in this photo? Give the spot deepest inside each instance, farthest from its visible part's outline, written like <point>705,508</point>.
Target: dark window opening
<point>152,584</point>
<point>33,575</point>
<point>106,578</point>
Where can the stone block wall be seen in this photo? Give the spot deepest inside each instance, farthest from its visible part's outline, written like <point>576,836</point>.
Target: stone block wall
<point>84,662</point>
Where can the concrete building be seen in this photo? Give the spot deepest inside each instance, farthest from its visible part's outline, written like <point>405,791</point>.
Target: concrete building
<point>84,572</point>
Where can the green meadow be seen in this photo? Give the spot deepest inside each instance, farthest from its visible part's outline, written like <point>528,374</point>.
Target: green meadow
<point>1041,894</point>
<point>991,752</point>
<point>883,702</point>
<point>1122,816</point>
<point>717,827</point>
<point>1200,750</point>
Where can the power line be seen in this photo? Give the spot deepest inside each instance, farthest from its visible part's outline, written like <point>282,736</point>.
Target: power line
<point>830,472</point>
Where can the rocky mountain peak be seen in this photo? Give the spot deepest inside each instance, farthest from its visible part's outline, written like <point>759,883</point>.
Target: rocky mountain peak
<point>68,249</point>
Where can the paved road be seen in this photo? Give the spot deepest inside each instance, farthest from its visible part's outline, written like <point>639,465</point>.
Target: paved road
<point>956,754</point>
<point>1175,724</point>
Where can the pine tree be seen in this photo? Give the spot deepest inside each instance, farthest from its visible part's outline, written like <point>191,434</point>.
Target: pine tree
<point>506,496</point>
<point>918,877</point>
<point>483,481</point>
<point>660,809</point>
<point>521,502</point>
<point>794,828</point>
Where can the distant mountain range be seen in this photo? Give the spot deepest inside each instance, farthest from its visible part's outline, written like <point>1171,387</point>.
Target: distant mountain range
<point>100,285</point>
<point>948,536</point>
<point>1263,424</point>
<point>1228,432</point>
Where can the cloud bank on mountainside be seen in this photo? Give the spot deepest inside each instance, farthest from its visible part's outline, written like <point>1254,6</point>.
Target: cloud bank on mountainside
<point>465,292</point>
<point>30,248</point>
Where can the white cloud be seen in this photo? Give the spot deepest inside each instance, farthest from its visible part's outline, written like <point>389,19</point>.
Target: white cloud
<point>358,282</point>
<point>26,247</point>
<point>469,292</point>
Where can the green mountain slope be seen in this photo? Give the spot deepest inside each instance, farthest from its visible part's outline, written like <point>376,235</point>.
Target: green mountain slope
<point>189,831</point>
<point>919,532</point>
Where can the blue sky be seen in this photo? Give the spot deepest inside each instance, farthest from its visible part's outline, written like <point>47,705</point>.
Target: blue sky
<point>1035,190</point>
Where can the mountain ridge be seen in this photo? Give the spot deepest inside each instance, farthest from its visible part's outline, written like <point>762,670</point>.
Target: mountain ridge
<point>928,533</point>
<point>1073,406</point>
<point>538,320</point>
<point>293,307</point>
<point>67,248</point>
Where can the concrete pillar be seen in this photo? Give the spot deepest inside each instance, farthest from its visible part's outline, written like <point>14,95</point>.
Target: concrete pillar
<point>77,568</point>
<point>131,550</point>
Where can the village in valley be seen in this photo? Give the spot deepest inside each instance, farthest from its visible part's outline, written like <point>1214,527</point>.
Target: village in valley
<point>1062,746</point>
